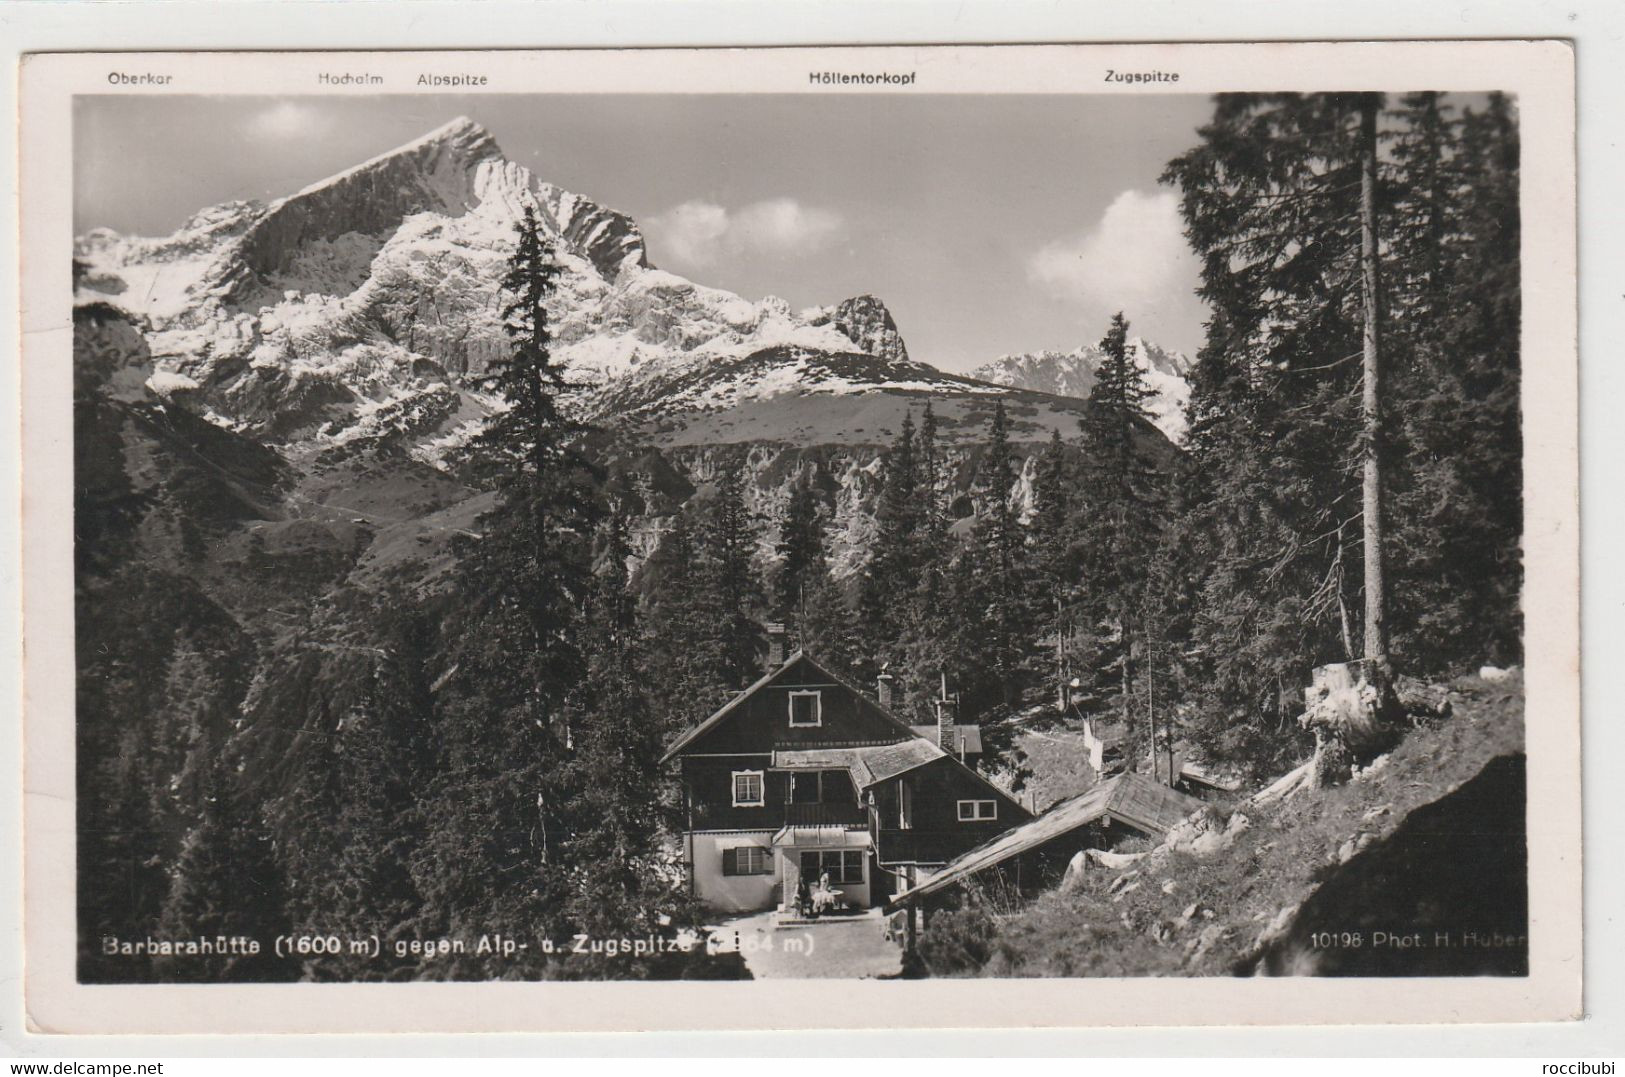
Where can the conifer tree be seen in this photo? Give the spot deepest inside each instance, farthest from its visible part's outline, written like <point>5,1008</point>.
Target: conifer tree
<point>684,656</point>
<point>1053,576</point>
<point>364,828</point>
<point>828,631</point>
<point>932,521</point>
<point>1120,519</point>
<point>894,564</point>
<point>1457,471</point>
<point>1293,201</point>
<point>614,774</point>
<point>493,858</point>
<point>800,549</point>
<point>1001,550</point>
<point>227,882</point>
<point>731,594</point>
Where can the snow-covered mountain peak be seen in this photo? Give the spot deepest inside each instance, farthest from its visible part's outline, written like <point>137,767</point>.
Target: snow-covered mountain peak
<point>449,150</point>
<point>366,308</point>
<point>1073,374</point>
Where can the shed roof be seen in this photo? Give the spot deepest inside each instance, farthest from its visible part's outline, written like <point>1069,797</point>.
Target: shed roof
<point>1134,799</point>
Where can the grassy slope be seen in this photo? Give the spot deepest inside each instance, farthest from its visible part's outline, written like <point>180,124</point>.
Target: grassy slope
<point>1274,865</point>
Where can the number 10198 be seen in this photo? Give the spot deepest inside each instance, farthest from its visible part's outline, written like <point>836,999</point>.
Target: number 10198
<point>1337,940</point>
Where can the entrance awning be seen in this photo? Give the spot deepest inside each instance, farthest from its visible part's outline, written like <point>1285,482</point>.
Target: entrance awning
<point>826,837</point>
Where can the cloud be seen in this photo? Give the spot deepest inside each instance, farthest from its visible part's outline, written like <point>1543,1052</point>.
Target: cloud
<point>700,233</point>
<point>287,119</point>
<point>1133,259</point>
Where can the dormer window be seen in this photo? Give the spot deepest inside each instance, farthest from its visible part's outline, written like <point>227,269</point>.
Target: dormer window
<point>806,709</point>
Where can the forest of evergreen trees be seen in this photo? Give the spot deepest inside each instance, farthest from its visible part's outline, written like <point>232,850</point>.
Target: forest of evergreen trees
<point>492,760</point>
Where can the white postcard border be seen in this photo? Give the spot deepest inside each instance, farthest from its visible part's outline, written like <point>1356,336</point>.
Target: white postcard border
<point>1540,73</point>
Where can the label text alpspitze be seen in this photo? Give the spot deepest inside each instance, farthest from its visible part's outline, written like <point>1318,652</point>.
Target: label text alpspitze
<point>452,80</point>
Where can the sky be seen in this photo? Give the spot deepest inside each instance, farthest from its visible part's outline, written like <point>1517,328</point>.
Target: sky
<point>988,224</point>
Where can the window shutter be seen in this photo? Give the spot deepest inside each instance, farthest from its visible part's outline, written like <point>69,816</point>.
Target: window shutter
<point>730,861</point>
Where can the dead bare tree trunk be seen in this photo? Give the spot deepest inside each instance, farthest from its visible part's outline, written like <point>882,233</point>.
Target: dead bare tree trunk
<point>1352,707</point>
<point>1376,624</point>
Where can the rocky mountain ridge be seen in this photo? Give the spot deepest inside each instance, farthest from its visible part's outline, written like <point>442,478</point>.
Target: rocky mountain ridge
<point>1073,374</point>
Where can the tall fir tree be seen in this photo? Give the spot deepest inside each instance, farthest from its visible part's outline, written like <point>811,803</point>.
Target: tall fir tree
<point>684,657</point>
<point>1457,480</point>
<point>801,551</point>
<point>227,883</point>
<point>618,886</point>
<point>494,857</point>
<point>829,631</point>
<point>1271,520</point>
<point>1001,550</point>
<point>1119,524</point>
<point>731,592</point>
<point>1270,198</point>
<point>933,479</point>
<point>1054,576</point>
<point>894,561</point>
<point>352,846</point>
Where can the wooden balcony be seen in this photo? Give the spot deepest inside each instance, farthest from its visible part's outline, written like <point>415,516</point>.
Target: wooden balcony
<point>839,813</point>
<point>774,814</point>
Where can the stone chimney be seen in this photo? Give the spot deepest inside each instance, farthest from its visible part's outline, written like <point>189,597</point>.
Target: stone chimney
<point>947,717</point>
<point>775,646</point>
<point>885,688</point>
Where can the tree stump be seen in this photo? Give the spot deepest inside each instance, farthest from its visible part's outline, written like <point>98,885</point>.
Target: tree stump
<point>1355,714</point>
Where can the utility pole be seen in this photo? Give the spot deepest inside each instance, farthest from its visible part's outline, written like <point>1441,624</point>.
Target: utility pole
<point>1376,625</point>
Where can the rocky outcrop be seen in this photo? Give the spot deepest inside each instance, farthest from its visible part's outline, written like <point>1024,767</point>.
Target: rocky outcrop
<point>110,355</point>
<point>607,239</point>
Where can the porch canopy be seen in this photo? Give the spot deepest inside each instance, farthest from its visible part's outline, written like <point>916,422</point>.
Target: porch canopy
<point>827,837</point>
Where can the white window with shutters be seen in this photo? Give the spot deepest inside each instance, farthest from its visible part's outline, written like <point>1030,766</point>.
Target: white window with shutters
<point>747,860</point>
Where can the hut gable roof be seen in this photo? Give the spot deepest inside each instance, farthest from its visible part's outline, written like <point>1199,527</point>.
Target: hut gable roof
<point>799,664</point>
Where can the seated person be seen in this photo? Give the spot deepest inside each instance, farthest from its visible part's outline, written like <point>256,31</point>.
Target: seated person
<point>823,898</point>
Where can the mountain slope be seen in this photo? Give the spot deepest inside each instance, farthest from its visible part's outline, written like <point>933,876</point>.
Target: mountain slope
<point>1428,841</point>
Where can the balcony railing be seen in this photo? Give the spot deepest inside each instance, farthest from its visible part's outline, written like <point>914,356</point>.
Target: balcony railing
<point>842,813</point>
<point>777,813</point>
